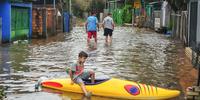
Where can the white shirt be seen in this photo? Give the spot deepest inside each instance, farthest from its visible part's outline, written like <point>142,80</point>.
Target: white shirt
<point>108,22</point>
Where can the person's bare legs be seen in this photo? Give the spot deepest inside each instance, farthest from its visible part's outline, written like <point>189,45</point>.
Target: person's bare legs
<point>92,77</point>
<point>83,88</point>
<point>87,94</point>
<point>95,44</point>
<point>109,40</point>
<point>106,39</point>
<point>88,42</point>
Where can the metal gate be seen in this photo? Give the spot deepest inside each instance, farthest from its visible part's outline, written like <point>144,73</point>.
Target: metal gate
<point>20,23</point>
<point>0,30</point>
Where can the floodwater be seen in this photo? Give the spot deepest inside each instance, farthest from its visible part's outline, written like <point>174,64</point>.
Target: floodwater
<point>135,54</point>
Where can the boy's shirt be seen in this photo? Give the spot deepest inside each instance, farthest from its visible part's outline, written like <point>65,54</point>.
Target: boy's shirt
<point>92,23</point>
<point>108,22</point>
<point>77,70</point>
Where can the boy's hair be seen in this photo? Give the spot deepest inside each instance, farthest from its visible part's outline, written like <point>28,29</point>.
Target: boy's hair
<point>83,54</point>
<point>109,14</point>
<point>93,12</point>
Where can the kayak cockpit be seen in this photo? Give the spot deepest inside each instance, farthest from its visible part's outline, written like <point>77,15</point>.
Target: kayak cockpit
<point>98,80</point>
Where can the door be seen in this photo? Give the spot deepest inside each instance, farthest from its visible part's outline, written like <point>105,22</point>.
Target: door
<point>193,23</point>
<point>66,22</point>
<point>0,30</point>
<point>20,23</point>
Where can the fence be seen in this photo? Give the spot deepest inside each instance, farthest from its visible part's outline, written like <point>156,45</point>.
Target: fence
<point>184,27</point>
<point>43,22</point>
<point>178,25</point>
<point>0,29</point>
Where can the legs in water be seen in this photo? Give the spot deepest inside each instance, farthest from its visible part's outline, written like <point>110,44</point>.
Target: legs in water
<point>87,94</point>
<point>90,35</point>
<point>95,44</point>
<point>88,42</point>
<point>108,40</point>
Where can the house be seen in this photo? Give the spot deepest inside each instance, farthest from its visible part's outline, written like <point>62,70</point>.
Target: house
<point>15,21</point>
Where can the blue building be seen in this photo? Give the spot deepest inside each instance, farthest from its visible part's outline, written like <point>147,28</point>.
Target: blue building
<point>15,21</point>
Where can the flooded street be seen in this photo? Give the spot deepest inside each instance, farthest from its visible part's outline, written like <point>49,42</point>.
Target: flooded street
<point>135,55</point>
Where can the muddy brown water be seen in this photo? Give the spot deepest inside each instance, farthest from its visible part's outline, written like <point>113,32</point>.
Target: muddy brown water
<point>135,55</point>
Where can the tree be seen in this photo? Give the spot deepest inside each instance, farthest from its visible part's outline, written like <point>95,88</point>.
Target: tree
<point>178,5</point>
<point>96,5</point>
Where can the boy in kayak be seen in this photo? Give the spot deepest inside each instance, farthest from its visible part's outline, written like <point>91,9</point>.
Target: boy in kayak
<point>77,73</point>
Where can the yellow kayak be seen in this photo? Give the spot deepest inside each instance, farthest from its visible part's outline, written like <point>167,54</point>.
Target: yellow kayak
<point>114,88</point>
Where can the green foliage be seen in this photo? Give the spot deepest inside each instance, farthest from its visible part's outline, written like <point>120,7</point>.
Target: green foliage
<point>124,15</point>
<point>127,13</point>
<point>96,5</point>
<point>77,11</point>
<point>118,16</point>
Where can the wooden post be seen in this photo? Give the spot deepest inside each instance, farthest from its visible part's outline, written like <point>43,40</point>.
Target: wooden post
<point>181,26</point>
<point>193,93</point>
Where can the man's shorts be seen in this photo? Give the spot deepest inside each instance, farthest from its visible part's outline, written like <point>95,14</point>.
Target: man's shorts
<point>79,79</point>
<point>107,32</point>
<point>92,33</point>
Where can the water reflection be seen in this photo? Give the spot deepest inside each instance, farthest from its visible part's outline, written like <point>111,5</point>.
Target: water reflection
<point>75,96</point>
<point>5,67</point>
<point>5,64</point>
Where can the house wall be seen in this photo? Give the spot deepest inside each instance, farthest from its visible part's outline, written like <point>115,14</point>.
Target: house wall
<point>5,14</point>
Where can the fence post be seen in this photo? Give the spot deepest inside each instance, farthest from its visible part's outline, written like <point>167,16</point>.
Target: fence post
<point>181,26</point>
<point>186,29</point>
<point>177,26</point>
<point>173,26</point>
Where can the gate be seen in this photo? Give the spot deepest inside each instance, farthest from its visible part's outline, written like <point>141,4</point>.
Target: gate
<point>157,20</point>
<point>20,23</point>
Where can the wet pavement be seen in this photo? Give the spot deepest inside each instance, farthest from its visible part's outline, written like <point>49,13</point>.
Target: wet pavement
<point>136,55</point>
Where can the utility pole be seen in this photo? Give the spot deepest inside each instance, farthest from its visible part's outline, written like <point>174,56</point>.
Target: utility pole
<point>54,4</point>
<point>70,7</point>
<point>115,4</point>
<point>44,2</point>
<point>55,17</point>
<point>106,4</point>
